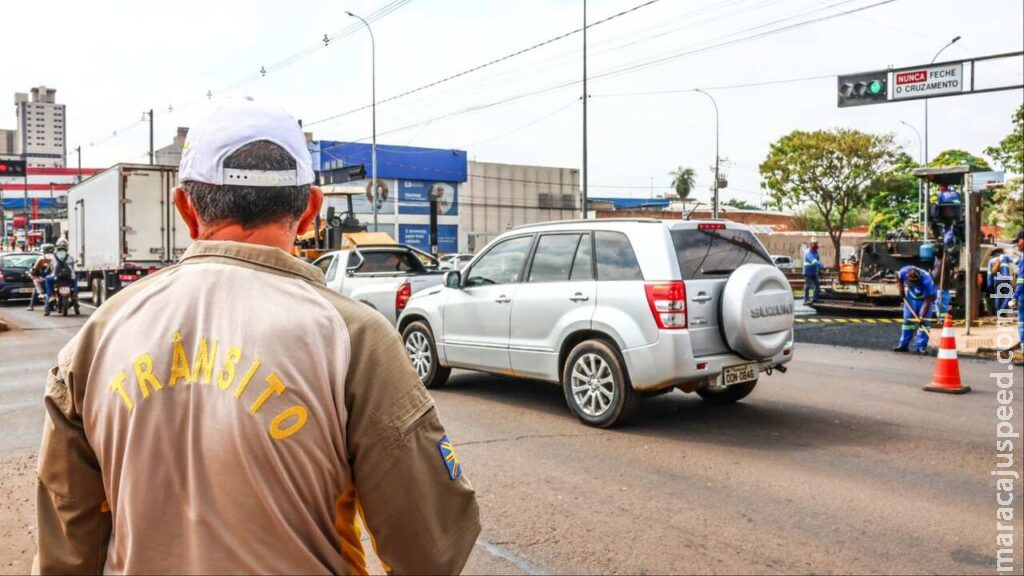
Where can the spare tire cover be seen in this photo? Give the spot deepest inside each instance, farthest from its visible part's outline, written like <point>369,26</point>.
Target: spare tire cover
<point>757,311</point>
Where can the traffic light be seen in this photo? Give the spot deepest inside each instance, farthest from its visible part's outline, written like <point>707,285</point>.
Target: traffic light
<point>864,88</point>
<point>335,173</point>
<point>12,168</point>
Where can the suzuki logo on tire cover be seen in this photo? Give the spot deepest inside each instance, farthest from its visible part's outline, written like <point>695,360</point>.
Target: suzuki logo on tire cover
<point>771,310</point>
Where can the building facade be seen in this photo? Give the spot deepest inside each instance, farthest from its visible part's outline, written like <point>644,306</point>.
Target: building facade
<point>499,197</point>
<point>170,155</point>
<point>8,143</point>
<point>41,128</point>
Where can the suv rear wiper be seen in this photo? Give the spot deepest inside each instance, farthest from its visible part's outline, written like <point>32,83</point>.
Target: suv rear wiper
<point>719,271</point>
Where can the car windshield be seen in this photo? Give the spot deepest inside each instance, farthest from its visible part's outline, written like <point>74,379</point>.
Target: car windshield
<point>716,252</point>
<point>19,261</point>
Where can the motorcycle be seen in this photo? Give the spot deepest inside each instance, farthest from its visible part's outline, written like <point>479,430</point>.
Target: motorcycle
<point>63,297</point>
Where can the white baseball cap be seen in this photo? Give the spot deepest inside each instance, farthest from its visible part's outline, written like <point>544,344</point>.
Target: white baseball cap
<point>234,123</point>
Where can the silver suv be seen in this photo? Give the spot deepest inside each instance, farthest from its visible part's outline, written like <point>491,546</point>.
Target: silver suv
<point>612,310</point>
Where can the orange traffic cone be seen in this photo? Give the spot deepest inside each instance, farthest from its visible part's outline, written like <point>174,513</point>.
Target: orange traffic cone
<point>947,367</point>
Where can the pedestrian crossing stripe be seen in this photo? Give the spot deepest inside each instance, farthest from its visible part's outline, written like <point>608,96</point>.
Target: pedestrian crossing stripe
<point>865,321</point>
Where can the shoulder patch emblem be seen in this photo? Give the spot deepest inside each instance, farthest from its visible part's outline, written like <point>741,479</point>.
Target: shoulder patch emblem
<point>451,461</point>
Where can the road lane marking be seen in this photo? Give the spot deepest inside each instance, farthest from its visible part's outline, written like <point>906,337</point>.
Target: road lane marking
<point>509,556</point>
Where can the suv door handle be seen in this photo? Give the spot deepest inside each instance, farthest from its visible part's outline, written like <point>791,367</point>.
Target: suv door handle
<point>579,297</point>
<point>701,297</point>
<point>502,299</point>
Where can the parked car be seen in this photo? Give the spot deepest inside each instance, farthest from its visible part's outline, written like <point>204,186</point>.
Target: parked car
<point>786,263</point>
<point>383,276</point>
<point>454,261</point>
<point>611,309</point>
<point>14,279</point>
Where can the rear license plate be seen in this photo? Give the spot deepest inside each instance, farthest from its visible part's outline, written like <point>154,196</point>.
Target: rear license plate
<point>64,291</point>
<point>27,290</point>
<point>739,374</point>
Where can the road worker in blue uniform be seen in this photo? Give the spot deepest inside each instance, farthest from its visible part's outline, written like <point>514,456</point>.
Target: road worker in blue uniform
<point>947,195</point>
<point>998,278</point>
<point>1018,293</point>
<point>918,293</point>
<point>812,266</point>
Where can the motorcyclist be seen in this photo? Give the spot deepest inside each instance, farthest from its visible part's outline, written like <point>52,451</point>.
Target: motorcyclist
<point>39,271</point>
<point>63,268</point>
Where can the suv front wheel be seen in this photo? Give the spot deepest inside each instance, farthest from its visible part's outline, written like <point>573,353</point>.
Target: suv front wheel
<point>596,386</point>
<point>419,345</point>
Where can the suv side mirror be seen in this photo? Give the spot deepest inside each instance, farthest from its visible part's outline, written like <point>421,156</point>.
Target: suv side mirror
<point>453,279</point>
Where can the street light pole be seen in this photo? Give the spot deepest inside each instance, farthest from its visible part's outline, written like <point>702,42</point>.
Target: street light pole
<point>920,181</point>
<point>373,108</point>
<point>714,202</point>
<point>926,191</point>
<point>586,170</point>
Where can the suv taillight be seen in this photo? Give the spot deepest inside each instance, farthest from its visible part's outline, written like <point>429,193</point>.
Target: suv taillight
<point>668,304</point>
<point>402,297</point>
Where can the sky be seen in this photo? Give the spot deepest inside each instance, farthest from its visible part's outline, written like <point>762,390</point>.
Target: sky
<point>111,60</point>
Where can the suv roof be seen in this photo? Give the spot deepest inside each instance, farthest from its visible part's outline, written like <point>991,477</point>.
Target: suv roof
<point>617,223</point>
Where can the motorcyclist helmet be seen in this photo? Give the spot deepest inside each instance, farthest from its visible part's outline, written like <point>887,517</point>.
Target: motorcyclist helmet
<point>47,248</point>
<point>62,244</point>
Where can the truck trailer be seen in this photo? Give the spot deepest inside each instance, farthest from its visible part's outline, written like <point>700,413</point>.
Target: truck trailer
<point>122,225</point>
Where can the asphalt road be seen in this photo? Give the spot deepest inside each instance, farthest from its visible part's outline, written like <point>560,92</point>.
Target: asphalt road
<point>842,465</point>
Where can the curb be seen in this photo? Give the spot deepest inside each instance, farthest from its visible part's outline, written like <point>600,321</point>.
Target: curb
<point>3,326</point>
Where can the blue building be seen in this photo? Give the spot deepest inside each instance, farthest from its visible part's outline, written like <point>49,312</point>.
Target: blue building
<point>411,175</point>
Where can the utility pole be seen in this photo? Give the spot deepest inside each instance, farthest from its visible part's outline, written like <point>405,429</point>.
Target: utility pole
<point>78,152</point>
<point>151,157</point>
<point>373,108</point>
<point>926,187</point>
<point>714,197</point>
<point>586,171</point>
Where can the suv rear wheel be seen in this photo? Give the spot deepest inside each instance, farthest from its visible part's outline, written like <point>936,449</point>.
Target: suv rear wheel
<point>596,386</point>
<point>419,345</point>
<point>722,395</point>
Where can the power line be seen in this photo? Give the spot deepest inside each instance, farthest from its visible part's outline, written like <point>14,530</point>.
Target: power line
<point>276,66</point>
<point>634,67</point>
<point>486,64</point>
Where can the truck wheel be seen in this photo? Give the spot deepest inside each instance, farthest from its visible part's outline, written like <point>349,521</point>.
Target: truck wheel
<point>419,345</point>
<point>726,395</point>
<point>596,386</point>
<point>96,289</point>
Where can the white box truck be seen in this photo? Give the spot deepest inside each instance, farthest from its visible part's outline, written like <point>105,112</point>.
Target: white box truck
<point>122,225</point>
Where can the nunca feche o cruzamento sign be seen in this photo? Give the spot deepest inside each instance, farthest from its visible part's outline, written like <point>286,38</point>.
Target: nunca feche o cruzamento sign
<point>928,81</point>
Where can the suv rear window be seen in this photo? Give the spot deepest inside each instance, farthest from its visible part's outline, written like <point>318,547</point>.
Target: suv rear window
<point>386,261</point>
<point>715,253</point>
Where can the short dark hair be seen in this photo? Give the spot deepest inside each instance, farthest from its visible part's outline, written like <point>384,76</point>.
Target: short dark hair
<point>250,206</point>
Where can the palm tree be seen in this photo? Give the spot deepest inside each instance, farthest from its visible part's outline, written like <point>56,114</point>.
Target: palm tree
<point>683,180</point>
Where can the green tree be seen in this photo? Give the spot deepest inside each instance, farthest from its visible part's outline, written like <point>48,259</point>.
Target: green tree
<point>896,203</point>
<point>959,158</point>
<point>831,170</point>
<point>683,181</point>
<point>741,204</point>
<point>1009,153</point>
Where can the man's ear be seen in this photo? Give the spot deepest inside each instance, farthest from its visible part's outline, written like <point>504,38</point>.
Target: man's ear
<point>188,212</point>
<point>316,200</point>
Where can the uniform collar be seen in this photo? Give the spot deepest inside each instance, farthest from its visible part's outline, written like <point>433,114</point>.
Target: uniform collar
<point>264,256</point>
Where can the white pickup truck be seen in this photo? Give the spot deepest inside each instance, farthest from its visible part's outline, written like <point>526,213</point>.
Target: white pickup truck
<point>383,277</point>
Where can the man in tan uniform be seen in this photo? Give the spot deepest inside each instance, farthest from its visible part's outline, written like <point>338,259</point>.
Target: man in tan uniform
<point>230,414</point>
